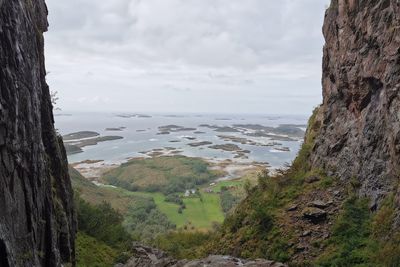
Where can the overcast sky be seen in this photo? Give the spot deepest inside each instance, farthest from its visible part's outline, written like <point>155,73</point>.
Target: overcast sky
<point>220,56</point>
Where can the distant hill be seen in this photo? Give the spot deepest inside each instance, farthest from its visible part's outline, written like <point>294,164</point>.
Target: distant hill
<point>161,174</point>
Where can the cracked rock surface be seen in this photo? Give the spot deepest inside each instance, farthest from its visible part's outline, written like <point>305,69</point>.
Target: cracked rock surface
<point>37,223</point>
<point>359,137</point>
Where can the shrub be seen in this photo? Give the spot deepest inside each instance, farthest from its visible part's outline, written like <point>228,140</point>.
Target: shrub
<point>350,236</point>
<point>228,200</point>
<point>145,222</point>
<point>262,178</point>
<point>174,198</point>
<point>102,222</point>
<point>262,218</point>
<point>182,244</point>
<point>92,252</point>
<point>101,238</point>
<point>247,187</point>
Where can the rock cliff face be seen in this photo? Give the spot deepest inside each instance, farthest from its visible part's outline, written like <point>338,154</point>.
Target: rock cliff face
<point>37,225</point>
<point>359,139</point>
<point>355,136</point>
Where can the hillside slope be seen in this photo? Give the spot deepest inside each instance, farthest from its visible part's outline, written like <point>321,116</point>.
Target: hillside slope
<point>338,204</point>
<point>37,224</point>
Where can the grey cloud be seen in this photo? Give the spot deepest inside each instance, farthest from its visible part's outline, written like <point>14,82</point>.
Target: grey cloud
<point>258,46</point>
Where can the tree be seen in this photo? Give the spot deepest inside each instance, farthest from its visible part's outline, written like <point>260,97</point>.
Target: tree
<point>263,178</point>
<point>54,98</point>
<point>247,187</point>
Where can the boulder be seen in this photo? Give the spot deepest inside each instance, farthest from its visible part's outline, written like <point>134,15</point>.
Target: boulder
<point>320,204</point>
<point>315,215</point>
<point>306,233</point>
<point>312,179</point>
<point>292,208</point>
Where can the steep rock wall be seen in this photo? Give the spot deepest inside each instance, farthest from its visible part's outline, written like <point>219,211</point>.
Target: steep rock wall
<point>360,135</point>
<point>37,224</point>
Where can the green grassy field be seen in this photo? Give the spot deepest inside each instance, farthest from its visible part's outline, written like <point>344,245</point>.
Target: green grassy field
<point>199,214</point>
<point>233,183</point>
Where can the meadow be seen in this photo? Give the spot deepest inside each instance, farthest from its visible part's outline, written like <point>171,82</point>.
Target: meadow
<point>150,217</point>
<point>201,210</point>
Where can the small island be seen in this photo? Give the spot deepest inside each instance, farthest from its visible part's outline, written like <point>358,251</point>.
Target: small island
<point>116,129</point>
<point>175,129</point>
<point>74,142</point>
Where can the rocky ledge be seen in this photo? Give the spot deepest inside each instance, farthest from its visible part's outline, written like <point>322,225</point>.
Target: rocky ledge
<point>150,257</point>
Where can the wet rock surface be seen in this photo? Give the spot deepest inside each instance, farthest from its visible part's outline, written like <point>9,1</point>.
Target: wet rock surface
<point>150,257</point>
<point>360,119</point>
<point>37,224</point>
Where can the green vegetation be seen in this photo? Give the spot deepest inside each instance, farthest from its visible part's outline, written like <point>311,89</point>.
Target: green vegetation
<point>147,215</point>
<point>102,240</point>
<point>361,238</point>
<point>102,222</point>
<point>251,231</point>
<point>203,212</point>
<point>199,214</point>
<point>92,252</point>
<point>228,199</point>
<point>236,184</point>
<point>119,199</point>
<point>140,216</point>
<point>259,227</point>
<point>182,244</point>
<point>165,179</point>
<point>155,212</point>
<point>350,236</point>
<point>387,240</point>
<point>161,174</point>
<point>255,228</point>
<point>174,198</point>
<point>145,222</point>
<point>152,217</point>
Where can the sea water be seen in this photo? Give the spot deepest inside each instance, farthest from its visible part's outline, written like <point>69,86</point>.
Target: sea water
<point>141,134</point>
